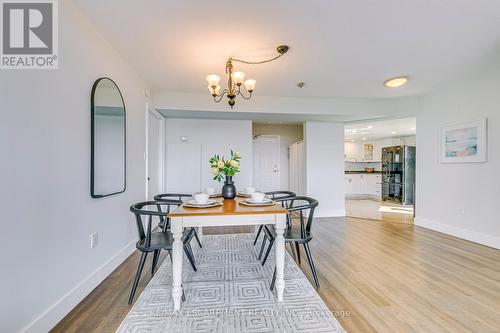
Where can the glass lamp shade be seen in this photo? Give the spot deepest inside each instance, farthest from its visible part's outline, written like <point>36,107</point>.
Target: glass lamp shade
<point>238,77</point>
<point>250,85</point>
<point>213,80</point>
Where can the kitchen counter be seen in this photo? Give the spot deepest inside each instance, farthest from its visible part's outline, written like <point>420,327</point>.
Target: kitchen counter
<point>362,172</point>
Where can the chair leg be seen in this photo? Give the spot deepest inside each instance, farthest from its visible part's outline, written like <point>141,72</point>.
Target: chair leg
<point>273,281</point>
<point>298,252</point>
<point>197,238</point>
<point>258,234</point>
<point>271,242</point>
<point>155,261</point>
<point>137,276</point>
<point>311,263</point>
<point>262,247</point>
<point>189,253</point>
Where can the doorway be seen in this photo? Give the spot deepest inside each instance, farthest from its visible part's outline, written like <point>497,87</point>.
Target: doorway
<point>155,123</point>
<point>379,161</point>
<point>266,163</point>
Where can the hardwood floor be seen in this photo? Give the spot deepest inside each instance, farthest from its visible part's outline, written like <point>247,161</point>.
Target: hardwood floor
<point>379,210</point>
<point>377,276</point>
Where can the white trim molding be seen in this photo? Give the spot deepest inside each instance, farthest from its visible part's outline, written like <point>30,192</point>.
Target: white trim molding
<point>470,235</point>
<point>50,317</point>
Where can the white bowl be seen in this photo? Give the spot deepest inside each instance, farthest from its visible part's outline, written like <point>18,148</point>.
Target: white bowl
<point>258,197</point>
<point>201,198</point>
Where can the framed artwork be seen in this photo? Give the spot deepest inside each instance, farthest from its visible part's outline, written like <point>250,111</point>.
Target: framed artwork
<point>463,143</point>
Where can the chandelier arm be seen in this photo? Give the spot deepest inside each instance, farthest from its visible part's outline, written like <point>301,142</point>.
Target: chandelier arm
<point>218,98</point>
<point>243,95</point>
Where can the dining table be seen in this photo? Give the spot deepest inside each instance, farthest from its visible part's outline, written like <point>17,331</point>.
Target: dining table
<point>232,212</point>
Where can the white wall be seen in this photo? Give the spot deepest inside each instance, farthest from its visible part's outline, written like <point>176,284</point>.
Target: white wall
<point>288,135</point>
<point>325,166</point>
<point>215,137</point>
<point>460,199</point>
<point>48,214</point>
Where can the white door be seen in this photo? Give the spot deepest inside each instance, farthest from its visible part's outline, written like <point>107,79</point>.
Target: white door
<point>266,167</point>
<point>153,155</point>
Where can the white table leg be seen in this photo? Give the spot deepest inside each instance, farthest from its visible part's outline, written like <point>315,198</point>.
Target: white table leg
<point>200,233</point>
<point>280,256</point>
<point>177,254</point>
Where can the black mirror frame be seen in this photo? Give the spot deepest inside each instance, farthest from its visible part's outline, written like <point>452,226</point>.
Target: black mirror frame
<point>92,140</point>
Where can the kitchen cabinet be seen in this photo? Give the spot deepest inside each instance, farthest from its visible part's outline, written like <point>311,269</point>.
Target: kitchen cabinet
<point>353,152</point>
<point>362,152</point>
<point>363,184</point>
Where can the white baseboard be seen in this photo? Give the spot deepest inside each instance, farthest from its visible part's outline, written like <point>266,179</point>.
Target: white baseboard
<point>48,319</point>
<point>469,235</point>
<point>329,213</point>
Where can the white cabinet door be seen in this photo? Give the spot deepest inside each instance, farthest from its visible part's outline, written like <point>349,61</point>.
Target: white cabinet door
<point>356,184</point>
<point>373,184</point>
<point>347,184</point>
<point>301,162</point>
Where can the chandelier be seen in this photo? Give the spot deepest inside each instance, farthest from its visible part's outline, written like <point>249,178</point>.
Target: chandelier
<point>236,79</point>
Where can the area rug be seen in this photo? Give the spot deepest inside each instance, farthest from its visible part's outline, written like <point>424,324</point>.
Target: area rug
<point>230,293</point>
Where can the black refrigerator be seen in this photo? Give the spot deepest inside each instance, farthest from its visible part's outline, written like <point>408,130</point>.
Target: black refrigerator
<point>398,174</point>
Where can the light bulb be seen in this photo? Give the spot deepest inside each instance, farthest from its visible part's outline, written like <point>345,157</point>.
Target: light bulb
<point>250,85</point>
<point>238,77</point>
<point>213,80</point>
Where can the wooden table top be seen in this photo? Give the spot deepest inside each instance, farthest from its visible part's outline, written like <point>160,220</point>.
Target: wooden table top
<point>229,207</point>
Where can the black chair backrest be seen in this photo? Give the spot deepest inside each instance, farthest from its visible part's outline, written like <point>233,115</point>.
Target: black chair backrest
<point>305,206</point>
<point>280,195</point>
<point>172,196</point>
<point>173,200</point>
<point>147,209</point>
<point>286,200</point>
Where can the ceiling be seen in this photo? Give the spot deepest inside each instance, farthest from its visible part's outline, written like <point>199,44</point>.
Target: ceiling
<point>338,48</point>
<point>374,130</point>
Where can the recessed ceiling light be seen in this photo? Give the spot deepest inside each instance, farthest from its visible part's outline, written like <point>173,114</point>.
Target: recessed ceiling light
<point>369,126</point>
<point>394,132</point>
<point>363,138</point>
<point>353,140</point>
<point>413,128</point>
<point>396,82</point>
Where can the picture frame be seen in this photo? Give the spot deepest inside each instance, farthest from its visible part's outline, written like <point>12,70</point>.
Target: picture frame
<point>463,142</point>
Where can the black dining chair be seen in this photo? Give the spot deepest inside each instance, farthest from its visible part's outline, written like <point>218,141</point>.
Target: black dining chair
<point>301,208</point>
<point>150,241</point>
<point>286,199</point>
<point>165,221</point>
<point>278,196</point>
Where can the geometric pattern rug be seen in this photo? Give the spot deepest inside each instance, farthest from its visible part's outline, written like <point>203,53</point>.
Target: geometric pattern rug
<point>229,293</point>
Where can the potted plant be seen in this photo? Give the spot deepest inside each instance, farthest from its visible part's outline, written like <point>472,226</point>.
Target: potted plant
<point>222,168</point>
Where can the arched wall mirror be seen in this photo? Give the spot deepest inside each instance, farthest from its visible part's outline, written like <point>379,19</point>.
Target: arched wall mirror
<point>108,141</point>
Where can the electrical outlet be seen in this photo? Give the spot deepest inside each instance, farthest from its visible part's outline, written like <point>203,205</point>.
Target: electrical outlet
<point>94,240</point>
